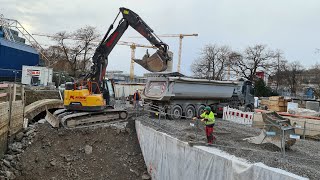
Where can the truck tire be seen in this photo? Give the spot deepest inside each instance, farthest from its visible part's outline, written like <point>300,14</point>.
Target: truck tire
<point>175,112</point>
<point>200,110</point>
<point>190,112</point>
<point>248,109</point>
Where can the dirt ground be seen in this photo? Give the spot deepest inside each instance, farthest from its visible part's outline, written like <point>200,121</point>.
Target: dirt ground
<point>302,159</point>
<point>87,153</point>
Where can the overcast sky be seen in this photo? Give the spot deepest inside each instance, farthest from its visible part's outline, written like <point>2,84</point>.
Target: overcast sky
<point>290,25</point>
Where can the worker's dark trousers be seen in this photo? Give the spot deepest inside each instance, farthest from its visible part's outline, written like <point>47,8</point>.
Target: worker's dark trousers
<point>209,133</point>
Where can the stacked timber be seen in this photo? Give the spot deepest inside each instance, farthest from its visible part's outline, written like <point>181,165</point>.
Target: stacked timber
<point>277,103</point>
<point>274,103</point>
<point>264,103</point>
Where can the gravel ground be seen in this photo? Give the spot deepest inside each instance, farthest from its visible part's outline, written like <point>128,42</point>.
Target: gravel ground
<point>302,159</point>
<point>43,152</point>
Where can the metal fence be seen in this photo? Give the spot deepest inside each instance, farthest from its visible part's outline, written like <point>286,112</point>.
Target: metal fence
<point>11,75</point>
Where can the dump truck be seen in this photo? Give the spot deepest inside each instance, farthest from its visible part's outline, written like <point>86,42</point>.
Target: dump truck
<point>180,96</point>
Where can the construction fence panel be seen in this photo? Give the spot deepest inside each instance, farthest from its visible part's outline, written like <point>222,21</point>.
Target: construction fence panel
<point>11,116</point>
<point>237,116</point>
<point>169,158</point>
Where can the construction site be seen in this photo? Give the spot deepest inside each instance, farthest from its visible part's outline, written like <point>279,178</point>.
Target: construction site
<point>83,120</point>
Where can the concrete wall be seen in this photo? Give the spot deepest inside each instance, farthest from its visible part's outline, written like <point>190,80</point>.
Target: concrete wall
<point>127,89</point>
<point>169,158</point>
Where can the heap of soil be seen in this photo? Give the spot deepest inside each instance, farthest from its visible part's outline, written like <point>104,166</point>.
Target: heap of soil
<point>86,153</point>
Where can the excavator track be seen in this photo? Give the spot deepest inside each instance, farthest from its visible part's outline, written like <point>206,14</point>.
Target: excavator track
<point>78,119</point>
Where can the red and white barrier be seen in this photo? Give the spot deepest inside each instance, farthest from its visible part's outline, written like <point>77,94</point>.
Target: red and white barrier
<point>237,116</point>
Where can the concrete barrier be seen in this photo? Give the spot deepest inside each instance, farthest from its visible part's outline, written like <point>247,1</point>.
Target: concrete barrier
<point>37,107</point>
<point>169,158</point>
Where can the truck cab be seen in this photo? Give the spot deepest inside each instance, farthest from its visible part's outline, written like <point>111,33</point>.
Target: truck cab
<point>245,93</point>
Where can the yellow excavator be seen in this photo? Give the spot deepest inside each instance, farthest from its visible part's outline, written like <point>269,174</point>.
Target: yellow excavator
<point>91,100</point>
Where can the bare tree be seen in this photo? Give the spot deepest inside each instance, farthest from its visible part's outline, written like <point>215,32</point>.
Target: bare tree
<point>253,58</point>
<point>87,37</point>
<point>281,63</point>
<point>212,62</point>
<point>277,73</point>
<point>313,75</point>
<point>57,59</point>
<point>77,48</point>
<point>292,76</point>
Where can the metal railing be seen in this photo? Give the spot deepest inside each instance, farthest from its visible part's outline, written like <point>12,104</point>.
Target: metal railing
<point>14,24</point>
<point>12,75</point>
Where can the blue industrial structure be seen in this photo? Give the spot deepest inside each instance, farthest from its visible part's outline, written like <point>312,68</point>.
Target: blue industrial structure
<point>309,93</point>
<point>13,55</point>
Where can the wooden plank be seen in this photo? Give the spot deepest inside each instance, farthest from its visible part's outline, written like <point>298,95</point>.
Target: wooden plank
<point>3,94</point>
<point>14,92</point>
<point>291,115</point>
<point>277,108</point>
<point>276,98</point>
<point>4,85</point>
<point>264,102</point>
<point>278,103</point>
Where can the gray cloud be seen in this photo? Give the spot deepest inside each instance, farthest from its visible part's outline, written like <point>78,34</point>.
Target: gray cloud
<point>290,25</point>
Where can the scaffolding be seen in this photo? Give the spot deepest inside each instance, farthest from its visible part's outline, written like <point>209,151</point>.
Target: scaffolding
<point>8,24</point>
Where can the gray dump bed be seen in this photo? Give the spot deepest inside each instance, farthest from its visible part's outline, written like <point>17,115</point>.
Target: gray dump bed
<point>169,88</point>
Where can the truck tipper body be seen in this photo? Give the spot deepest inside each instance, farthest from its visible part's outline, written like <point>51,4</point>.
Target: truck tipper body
<point>181,96</point>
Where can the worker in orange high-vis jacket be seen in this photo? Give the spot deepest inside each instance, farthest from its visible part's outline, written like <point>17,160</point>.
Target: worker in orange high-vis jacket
<point>208,118</point>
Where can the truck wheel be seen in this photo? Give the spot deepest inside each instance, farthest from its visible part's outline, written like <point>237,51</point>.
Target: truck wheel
<point>248,109</point>
<point>190,112</point>
<point>175,112</point>
<point>200,110</point>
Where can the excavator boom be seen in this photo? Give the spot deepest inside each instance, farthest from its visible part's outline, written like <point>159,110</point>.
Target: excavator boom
<point>155,63</point>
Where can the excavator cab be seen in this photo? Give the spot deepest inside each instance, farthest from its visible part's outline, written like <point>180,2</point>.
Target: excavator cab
<point>109,94</point>
<point>84,96</point>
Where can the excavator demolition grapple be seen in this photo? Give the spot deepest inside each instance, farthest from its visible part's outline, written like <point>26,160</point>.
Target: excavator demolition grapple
<point>277,130</point>
<point>91,100</point>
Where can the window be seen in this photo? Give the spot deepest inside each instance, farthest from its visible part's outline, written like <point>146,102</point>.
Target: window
<point>110,88</point>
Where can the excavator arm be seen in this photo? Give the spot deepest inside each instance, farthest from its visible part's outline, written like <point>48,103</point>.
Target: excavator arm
<point>155,63</point>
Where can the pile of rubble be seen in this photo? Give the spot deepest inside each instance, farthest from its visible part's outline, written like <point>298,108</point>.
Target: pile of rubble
<point>42,152</point>
<point>11,165</point>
